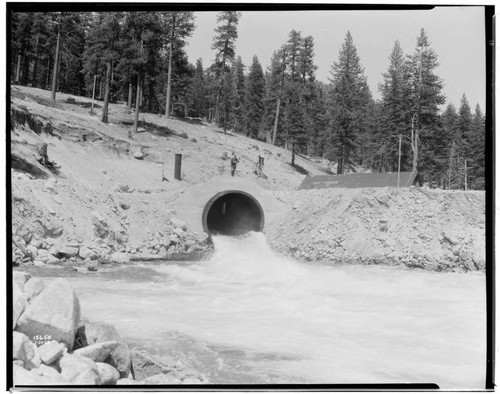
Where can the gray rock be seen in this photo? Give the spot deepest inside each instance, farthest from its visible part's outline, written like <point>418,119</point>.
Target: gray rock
<point>32,249</point>
<point>120,258</point>
<point>127,381</point>
<point>109,374</point>
<point>55,313</point>
<point>23,377</point>
<point>51,259</point>
<point>98,351</point>
<point>138,155</point>
<point>86,252</point>
<point>192,381</point>
<point>51,185</point>
<point>25,350</point>
<point>33,287</point>
<point>450,238</point>
<point>50,372</point>
<point>79,370</point>
<point>162,379</point>
<point>94,332</point>
<point>122,187</point>
<point>50,351</point>
<point>178,223</point>
<point>19,301</point>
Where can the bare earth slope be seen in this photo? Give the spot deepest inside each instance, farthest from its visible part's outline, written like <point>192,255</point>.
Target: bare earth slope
<point>109,201</point>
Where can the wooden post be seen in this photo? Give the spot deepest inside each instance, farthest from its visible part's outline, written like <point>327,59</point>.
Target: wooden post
<point>177,170</point>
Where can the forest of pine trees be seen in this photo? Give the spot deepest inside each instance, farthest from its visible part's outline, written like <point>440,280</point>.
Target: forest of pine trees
<point>139,58</point>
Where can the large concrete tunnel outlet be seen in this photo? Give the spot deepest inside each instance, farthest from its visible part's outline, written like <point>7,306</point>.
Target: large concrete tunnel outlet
<point>232,212</point>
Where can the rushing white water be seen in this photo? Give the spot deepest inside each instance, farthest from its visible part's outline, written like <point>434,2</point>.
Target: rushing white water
<point>314,324</point>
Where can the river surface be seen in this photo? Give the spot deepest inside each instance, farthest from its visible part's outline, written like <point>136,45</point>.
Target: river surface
<point>251,316</point>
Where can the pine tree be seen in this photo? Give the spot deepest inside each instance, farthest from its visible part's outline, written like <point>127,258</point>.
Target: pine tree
<point>424,93</point>
<point>450,123</point>
<point>254,100</point>
<point>101,50</point>
<point>349,98</point>
<point>197,95</point>
<point>393,114</point>
<point>239,105</point>
<point>478,159</point>
<point>224,44</point>
<point>275,83</point>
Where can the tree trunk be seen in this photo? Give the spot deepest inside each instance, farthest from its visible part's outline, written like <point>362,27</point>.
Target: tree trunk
<point>56,60</point>
<point>275,129</point>
<point>104,118</point>
<point>130,92</point>
<point>93,94</point>
<point>34,81</point>
<point>293,153</point>
<point>414,142</point>
<point>137,101</point>
<point>18,69</point>
<point>169,77</point>
<point>48,74</point>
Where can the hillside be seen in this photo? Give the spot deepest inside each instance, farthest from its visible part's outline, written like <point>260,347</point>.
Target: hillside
<point>110,203</point>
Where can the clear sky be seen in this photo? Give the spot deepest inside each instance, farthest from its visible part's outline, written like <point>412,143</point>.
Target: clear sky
<point>456,35</point>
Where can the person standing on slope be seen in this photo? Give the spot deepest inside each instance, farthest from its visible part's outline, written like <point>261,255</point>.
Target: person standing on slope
<point>234,162</point>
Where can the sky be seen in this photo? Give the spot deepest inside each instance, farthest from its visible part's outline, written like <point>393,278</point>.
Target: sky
<point>456,35</point>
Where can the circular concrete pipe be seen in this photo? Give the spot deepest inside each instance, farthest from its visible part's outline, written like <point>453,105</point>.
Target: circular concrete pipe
<point>232,212</point>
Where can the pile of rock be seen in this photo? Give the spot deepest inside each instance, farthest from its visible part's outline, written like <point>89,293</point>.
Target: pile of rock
<point>51,346</point>
<point>427,229</point>
<point>178,240</point>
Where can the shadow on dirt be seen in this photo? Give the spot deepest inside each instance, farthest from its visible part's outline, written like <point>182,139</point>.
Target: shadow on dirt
<point>22,165</point>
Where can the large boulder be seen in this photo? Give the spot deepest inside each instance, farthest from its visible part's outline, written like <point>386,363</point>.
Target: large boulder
<point>94,332</point>
<point>19,302</point>
<point>54,314</point>
<point>33,287</point>
<point>50,372</point>
<point>109,374</point>
<point>98,351</point>
<point>23,377</point>
<point>79,370</point>
<point>25,350</point>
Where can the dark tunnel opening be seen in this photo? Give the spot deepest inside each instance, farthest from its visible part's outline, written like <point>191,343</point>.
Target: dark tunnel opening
<point>232,212</point>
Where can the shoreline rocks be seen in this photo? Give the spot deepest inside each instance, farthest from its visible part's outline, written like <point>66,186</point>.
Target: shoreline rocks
<point>51,346</point>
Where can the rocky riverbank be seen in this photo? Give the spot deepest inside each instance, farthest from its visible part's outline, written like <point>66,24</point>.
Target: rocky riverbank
<point>52,345</point>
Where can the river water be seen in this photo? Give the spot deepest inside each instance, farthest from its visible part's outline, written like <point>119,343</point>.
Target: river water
<point>256,317</point>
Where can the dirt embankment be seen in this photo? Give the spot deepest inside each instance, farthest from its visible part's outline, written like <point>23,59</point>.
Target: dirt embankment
<point>410,227</point>
<point>110,201</point>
